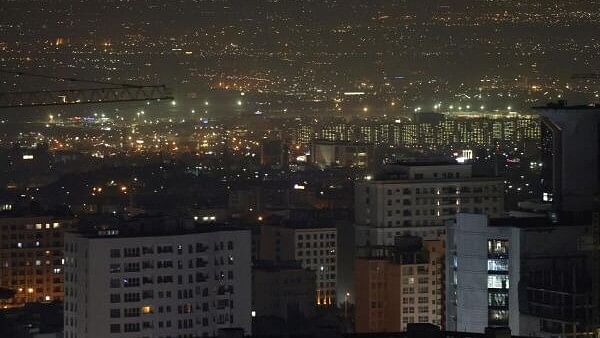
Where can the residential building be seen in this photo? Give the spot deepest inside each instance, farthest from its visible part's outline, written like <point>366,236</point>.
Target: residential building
<point>157,281</point>
<point>402,287</point>
<point>31,258</point>
<point>316,249</point>
<point>417,198</point>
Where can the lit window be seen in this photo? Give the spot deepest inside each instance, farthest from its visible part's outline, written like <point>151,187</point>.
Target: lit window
<point>497,247</point>
<point>498,282</point>
<point>497,264</point>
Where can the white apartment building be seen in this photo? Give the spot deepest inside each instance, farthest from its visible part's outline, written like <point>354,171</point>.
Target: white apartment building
<point>418,198</point>
<point>177,284</point>
<point>316,249</point>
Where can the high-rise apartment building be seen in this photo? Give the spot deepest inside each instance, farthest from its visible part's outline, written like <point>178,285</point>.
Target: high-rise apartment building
<point>31,258</point>
<point>471,129</point>
<point>401,288</point>
<point>157,283</point>
<point>417,198</point>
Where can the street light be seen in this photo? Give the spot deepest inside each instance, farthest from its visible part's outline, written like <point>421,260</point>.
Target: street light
<point>346,298</point>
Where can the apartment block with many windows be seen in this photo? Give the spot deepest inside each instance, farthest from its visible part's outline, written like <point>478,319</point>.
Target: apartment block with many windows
<point>31,258</point>
<point>402,287</point>
<point>418,198</point>
<point>316,249</point>
<point>167,284</point>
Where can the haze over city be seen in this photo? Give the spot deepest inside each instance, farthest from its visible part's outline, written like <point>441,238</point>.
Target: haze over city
<point>265,168</point>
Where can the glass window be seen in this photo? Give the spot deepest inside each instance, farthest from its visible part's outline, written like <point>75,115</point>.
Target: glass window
<point>114,253</point>
<point>497,247</point>
<point>498,282</point>
<point>498,265</point>
<point>498,299</point>
<point>498,317</point>
<point>115,328</point>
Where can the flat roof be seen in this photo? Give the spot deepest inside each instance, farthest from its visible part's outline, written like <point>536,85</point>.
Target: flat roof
<point>425,163</point>
<point>562,105</point>
<point>450,181</point>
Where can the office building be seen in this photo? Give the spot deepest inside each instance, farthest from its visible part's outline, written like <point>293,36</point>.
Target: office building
<point>417,198</point>
<point>404,287</point>
<point>570,155</point>
<point>31,258</point>
<point>157,282</point>
<point>534,274</point>
<point>483,271</point>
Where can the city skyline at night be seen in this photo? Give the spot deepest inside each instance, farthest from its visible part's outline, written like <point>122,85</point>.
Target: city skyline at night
<point>283,168</point>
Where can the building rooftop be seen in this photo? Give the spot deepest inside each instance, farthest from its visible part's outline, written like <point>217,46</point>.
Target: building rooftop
<point>550,219</point>
<point>146,226</point>
<point>440,162</point>
<point>562,105</point>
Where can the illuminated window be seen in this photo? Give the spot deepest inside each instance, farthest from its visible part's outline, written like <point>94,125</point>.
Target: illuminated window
<point>498,316</point>
<point>498,299</point>
<point>497,247</point>
<point>497,264</point>
<point>147,309</point>
<point>498,282</point>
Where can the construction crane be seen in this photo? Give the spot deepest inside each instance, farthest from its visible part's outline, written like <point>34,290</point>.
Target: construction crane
<point>109,92</point>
